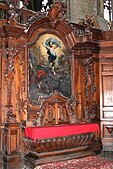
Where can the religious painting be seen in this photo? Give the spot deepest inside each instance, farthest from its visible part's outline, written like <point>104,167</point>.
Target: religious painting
<point>49,68</point>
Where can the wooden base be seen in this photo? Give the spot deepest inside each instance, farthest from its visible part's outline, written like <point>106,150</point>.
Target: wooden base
<point>107,154</point>
<point>31,162</point>
<point>48,150</point>
<point>12,161</point>
<point>107,143</point>
<point>107,147</point>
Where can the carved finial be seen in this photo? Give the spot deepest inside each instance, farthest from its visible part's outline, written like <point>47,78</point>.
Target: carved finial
<point>12,13</point>
<point>91,22</point>
<point>56,12</point>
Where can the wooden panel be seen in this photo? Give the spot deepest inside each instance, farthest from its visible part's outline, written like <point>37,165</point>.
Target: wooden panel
<point>107,68</point>
<point>106,90</point>
<point>108,114</point>
<point>106,94</point>
<point>10,138</point>
<point>104,131</point>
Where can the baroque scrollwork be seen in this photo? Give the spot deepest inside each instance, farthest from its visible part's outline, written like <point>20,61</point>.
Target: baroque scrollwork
<point>39,15</point>
<point>73,103</point>
<point>89,85</point>
<point>10,54</point>
<point>9,72</point>
<point>11,118</point>
<point>22,105</point>
<point>94,112</point>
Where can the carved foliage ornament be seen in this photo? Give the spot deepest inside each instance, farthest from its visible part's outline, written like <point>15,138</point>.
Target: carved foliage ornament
<point>89,86</point>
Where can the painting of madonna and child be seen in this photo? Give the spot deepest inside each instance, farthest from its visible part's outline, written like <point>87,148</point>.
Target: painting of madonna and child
<point>49,68</point>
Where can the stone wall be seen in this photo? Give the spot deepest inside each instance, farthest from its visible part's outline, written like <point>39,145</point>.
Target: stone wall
<point>80,8</point>
<point>77,9</point>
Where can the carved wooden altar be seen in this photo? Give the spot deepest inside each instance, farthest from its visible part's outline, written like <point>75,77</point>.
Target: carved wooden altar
<point>43,55</point>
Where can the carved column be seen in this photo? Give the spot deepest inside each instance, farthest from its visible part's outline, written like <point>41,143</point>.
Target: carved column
<point>11,130</point>
<point>86,85</point>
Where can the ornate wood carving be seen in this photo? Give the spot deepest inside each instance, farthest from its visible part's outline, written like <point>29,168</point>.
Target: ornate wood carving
<point>42,146</point>
<point>56,12</point>
<point>55,149</point>
<point>17,40</point>
<point>87,63</point>
<point>9,75</point>
<point>20,32</point>
<point>89,84</point>
<point>57,109</point>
